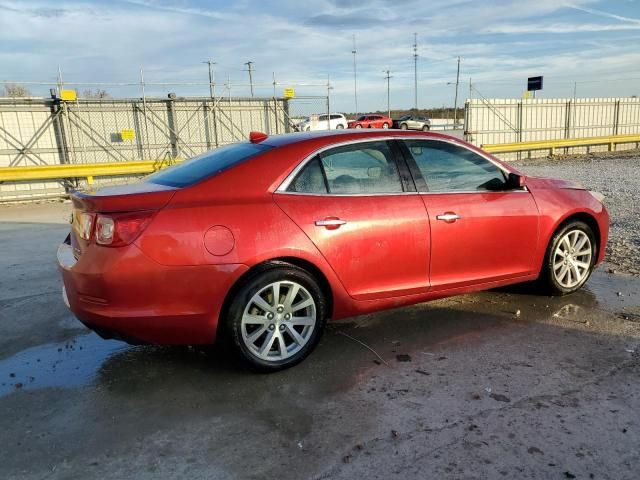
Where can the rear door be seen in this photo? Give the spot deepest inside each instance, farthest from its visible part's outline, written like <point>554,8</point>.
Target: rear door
<point>480,231</point>
<point>359,207</point>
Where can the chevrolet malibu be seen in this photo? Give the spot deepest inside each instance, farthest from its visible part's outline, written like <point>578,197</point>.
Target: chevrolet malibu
<point>259,243</point>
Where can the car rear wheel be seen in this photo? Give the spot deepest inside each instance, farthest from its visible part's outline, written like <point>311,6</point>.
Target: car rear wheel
<point>425,128</point>
<point>403,126</point>
<point>276,318</point>
<point>570,258</point>
<point>339,126</point>
<point>385,125</point>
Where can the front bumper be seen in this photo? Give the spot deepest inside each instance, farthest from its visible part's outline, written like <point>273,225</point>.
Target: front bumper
<point>121,293</point>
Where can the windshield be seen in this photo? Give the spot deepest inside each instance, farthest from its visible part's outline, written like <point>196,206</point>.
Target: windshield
<point>362,117</point>
<point>405,117</point>
<point>206,165</point>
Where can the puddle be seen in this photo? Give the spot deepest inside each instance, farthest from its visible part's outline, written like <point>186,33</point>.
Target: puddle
<point>67,364</point>
<point>88,359</point>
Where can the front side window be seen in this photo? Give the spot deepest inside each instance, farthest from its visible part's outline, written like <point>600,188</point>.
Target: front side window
<point>451,168</point>
<point>362,168</point>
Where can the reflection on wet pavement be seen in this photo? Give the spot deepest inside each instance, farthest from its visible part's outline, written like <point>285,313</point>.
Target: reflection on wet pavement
<point>88,359</point>
<point>67,364</point>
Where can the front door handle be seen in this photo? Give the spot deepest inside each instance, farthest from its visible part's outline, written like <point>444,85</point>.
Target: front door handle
<point>330,223</point>
<point>448,217</point>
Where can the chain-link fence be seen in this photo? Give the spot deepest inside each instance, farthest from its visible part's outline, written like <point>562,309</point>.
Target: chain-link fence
<point>50,131</point>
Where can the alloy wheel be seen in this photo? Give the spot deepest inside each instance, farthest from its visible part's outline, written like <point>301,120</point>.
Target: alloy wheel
<point>278,321</point>
<point>572,258</point>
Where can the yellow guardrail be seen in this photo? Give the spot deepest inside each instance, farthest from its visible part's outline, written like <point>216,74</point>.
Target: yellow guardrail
<point>83,170</point>
<point>551,145</point>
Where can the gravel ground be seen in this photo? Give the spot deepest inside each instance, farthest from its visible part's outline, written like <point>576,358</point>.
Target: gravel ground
<point>617,176</point>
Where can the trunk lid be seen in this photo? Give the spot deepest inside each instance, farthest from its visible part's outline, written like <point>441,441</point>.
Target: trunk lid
<point>113,199</point>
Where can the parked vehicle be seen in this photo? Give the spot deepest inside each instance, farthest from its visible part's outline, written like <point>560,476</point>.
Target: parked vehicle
<point>319,122</point>
<point>412,122</point>
<point>371,121</point>
<point>259,243</point>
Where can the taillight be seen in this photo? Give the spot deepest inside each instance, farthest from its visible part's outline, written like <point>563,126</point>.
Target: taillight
<point>118,229</point>
<point>85,224</point>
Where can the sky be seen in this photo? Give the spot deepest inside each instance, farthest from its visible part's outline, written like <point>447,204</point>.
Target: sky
<point>586,44</point>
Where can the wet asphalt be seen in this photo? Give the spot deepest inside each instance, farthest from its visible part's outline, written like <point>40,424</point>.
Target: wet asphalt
<point>500,384</point>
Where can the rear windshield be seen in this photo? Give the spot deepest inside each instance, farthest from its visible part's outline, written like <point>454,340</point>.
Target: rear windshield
<point>206,165</point>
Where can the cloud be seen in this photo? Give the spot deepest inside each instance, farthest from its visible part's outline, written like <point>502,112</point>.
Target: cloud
<point>600,13</point>
<point>95,40</point>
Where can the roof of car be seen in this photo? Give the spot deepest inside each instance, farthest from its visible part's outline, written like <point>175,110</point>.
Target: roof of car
<point>338,135</point>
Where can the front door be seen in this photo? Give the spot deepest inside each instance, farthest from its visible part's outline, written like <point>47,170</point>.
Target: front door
<point>353,204</point>
<point>481,231</point>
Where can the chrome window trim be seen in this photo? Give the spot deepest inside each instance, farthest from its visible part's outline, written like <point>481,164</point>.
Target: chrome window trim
<point>287,181</point>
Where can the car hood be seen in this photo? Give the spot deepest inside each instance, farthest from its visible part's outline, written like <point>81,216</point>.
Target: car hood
<point>553,183</point>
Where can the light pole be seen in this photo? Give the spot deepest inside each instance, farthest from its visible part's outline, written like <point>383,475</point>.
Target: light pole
<point>415,71</point>
<point>249,65</point>
<point>388,77</point>
<point>455,101</point>
<point>355,75</point>
<point>212,87</point>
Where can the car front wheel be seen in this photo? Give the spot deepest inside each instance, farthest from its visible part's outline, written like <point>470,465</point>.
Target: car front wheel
<point>569,259</point>
<point>385,125</point>
<point>403,126</point>
<point>358,126</point>
<point>277,317</point>
<point>425,128</point>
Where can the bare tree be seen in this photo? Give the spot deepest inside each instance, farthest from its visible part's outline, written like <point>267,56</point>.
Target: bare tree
<point>15,90</point>
<point>97,94</point>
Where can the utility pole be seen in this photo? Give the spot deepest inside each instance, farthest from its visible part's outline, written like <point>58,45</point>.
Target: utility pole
<point>455,101</point>
<point>212,86</point>
<point>388,77</point>
<point>355,75</point>
<point>249,65</point>
<point>415,71</point>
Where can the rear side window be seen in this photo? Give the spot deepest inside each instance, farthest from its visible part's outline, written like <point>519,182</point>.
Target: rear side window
<point>206,165</point>
<point>310,179</point>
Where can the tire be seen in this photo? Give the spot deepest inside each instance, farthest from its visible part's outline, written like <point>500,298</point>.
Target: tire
<point>259,336</point>
<point>339,126</point>
<point>385,125</point>
<point>358,126</point>
<point>564,270</point>
<point>404,126</point>
<point>425,128</point>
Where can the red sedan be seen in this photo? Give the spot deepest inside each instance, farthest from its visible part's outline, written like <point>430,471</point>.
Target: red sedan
<point>371,121</point>
<point>260,243</point>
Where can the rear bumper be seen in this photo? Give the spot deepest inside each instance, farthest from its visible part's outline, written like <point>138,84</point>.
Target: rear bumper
<point>121,293</point>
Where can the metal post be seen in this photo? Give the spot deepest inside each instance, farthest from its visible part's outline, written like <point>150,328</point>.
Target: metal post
<point>388,77</point>
<point>455,101</point>
<point>355,76</point>
<point>144,111</point>
<point>328,103</point>
<point>212,85</point>
<point>249,65</point>
<point>415,71</point>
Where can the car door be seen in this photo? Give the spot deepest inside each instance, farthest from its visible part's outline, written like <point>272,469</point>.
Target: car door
<point>355,202</point>
<point>481,230</point>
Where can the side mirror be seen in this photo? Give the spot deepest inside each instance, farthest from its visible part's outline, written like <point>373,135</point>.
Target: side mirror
<point>515,181</point>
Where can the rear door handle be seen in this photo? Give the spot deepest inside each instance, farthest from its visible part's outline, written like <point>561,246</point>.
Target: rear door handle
<point>448,217</point>
<point>330,223</point>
